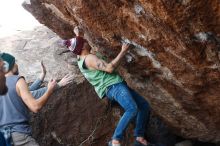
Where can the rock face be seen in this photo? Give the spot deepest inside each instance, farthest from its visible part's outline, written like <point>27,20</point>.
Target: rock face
<point>175,62</point>
<point>32,47</point>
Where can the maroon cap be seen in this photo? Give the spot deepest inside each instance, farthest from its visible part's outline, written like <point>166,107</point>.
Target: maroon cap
<point>77,45</point>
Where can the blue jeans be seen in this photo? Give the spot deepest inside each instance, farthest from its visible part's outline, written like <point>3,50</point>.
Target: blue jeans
<point>2,140</point>
<point>5,131</point>
<point>135,107</point>
<point>36,90</point>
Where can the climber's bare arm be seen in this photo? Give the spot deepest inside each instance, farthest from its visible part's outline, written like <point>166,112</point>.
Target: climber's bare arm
<point>78,31</point>
<point>34,104</point>
<point>93,62</point>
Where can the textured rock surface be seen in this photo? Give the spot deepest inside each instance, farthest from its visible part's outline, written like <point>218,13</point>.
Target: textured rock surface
<point>74,120</point>
<point>30,47</point>
<point>179,38</point>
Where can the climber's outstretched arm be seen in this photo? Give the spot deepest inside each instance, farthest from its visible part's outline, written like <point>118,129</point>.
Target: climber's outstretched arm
<point>94,62</point>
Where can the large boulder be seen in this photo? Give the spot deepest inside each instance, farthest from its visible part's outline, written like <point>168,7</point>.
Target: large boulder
<point>175,62</point>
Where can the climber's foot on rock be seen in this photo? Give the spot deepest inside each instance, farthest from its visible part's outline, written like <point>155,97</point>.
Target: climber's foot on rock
<point>114,143</point>
<point>140,141</point>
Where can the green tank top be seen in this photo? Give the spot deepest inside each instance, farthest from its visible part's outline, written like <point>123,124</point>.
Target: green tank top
<point>99,79</point>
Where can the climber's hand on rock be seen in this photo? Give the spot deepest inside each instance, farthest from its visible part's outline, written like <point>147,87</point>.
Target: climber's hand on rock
<point>65,80</point>
<point>125,47</point>
<point>51,85</point>
<point>78,31</point>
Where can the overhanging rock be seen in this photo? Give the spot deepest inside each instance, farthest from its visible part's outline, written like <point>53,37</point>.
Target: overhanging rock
<point>175,62</point>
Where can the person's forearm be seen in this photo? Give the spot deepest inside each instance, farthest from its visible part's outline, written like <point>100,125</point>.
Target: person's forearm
<point>115,62</point>
<point>43,100</point>
<point>39,92</point>
<point>78,31</point>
